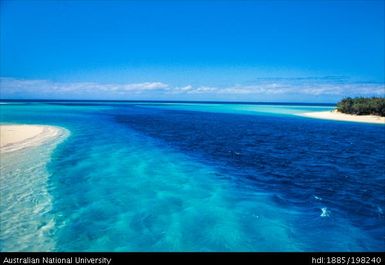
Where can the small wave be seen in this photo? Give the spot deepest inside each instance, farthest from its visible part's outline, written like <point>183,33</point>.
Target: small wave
<point>325,212</point>
<point>380,211</point>
<point>317,198</point>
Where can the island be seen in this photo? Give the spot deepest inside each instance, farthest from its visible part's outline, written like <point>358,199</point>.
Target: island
<point>359,109</point>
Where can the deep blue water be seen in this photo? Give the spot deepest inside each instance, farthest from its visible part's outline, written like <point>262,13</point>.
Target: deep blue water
<point>150,176</point>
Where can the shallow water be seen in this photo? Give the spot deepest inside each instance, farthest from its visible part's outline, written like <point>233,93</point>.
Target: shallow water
<point>25,209</point>
<point>204,177</point>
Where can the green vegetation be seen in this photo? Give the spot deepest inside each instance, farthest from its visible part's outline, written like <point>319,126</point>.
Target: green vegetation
<point>362,106</point>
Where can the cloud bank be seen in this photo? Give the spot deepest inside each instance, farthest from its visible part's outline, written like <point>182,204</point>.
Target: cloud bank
<point>269,88</point>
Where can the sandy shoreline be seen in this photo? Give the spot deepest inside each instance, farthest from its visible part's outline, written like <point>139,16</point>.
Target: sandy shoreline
<point>338,116</point>
<point>25,214</point>
<point>16,137</point>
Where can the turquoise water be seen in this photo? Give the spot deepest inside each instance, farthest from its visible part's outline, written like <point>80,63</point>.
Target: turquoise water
<point>193,177</point>
<point>26,204</point>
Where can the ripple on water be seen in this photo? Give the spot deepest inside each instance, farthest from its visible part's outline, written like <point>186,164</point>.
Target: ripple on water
<point>26,221</point>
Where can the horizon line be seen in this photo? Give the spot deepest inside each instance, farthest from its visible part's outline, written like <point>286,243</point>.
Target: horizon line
<point>168,101</point>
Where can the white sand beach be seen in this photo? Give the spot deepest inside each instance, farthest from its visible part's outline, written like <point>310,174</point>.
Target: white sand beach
<point>26,202</point>
<point>338,116</point>
<point>16,137</point>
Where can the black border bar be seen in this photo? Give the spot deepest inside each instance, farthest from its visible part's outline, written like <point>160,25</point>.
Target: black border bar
<point>112,258</point>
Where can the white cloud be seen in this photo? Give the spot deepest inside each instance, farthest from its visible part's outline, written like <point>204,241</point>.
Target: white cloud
<point>13,88</point>
<point>315,89</point>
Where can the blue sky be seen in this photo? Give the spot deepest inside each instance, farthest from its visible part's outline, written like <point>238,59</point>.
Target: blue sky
<point>316,51</point>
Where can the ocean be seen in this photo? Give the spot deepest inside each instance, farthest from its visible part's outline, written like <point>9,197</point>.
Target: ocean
<point>180,176</point>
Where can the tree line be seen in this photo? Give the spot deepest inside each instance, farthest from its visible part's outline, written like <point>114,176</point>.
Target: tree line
<point>362,106</point>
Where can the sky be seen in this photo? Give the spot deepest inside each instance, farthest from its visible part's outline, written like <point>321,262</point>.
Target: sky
<point>248,50</point>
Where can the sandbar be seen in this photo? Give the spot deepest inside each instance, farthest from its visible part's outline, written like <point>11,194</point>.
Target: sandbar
<point>339,116</point>
<point>16,137</point>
